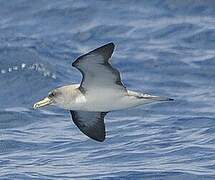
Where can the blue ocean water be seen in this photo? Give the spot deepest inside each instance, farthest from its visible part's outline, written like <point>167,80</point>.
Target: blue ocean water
<point>163,47</point>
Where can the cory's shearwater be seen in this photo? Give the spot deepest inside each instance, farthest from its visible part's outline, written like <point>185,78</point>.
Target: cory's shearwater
<point>100,91</point>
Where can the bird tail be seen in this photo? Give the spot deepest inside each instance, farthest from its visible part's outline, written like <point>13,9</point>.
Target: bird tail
<point>160,98</point>
<point>155,98</point>
<point>148,96</point>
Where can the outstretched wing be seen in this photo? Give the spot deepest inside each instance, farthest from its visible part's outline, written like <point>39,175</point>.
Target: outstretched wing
<point>90,123</point>
<point>97,71</point>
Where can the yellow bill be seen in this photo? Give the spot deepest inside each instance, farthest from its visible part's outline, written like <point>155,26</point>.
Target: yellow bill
<point>46,101</point>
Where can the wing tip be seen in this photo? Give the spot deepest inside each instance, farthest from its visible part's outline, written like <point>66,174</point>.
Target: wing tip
<point>98,139</point>
<point>110,44</point>
<point>109,47</point>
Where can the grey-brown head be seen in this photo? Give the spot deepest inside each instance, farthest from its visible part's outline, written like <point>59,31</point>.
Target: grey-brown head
<point>63,97</point>
<point>54,97</point>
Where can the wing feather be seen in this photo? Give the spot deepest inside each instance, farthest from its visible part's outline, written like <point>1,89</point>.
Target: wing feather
<point>90,123</point>
<point>97,70</point>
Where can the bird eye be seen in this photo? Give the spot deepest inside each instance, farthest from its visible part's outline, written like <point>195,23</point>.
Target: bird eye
<point>52,94</point>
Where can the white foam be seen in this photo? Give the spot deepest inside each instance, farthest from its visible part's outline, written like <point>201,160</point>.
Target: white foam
<point>32,67</point>
<point>15,68</point>
<point>9,69</point>
<point>3,71</point>
<point>23,65</point>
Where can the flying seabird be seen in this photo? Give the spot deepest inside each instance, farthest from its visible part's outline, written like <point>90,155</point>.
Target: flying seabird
<point>100,91</point>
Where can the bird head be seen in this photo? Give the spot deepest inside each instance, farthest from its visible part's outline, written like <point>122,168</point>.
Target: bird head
<point>53,98</point>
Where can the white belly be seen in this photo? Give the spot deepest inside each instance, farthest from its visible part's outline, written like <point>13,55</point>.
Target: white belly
<point>105,102</point>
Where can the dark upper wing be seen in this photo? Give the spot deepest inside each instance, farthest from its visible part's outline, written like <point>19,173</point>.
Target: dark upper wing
<point>90,123</point>
<point>97,70</point>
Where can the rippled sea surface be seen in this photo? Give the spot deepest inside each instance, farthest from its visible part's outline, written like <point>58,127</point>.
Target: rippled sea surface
<point>163,47</point>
